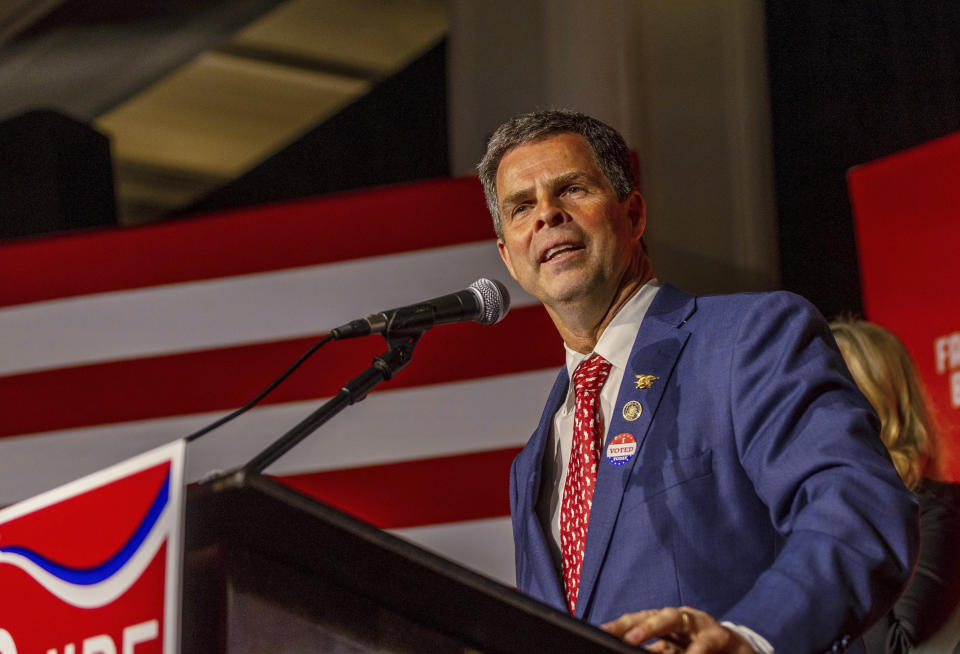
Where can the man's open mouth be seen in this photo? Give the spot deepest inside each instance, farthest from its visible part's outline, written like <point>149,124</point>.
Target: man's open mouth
<point>558,250</point>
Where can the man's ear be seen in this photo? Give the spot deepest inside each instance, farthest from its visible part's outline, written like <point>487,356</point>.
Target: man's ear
<point>637,210</point>
<point>505,256</point>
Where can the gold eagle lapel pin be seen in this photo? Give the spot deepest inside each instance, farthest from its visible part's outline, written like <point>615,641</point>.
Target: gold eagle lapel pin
<point>645,381</point>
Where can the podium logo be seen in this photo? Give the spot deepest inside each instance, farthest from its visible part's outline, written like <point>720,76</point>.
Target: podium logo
<point>103,644</point>
<point>7,646</point>
<point>128,519</point>
<point>104,583</point>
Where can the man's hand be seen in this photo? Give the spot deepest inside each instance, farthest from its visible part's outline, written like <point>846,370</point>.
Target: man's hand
<point>684,629</point>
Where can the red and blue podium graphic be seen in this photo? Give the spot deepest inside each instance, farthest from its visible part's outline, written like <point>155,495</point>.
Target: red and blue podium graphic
<point>93,567</point>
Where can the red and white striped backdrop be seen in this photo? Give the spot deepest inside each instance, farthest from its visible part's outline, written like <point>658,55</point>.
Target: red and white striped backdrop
<point>116,341</point>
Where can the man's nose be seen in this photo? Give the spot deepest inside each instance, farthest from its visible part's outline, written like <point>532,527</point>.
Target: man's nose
<point>550,213</point>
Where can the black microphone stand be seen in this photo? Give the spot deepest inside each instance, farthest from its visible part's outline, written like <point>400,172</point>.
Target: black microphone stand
<point>383,368</point>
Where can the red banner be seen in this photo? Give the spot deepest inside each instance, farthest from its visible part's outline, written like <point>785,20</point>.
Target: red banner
<point>94,566</point>
<point>907,220</point>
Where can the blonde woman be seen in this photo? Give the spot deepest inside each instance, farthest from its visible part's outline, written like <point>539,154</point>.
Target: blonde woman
<point>929,610</point>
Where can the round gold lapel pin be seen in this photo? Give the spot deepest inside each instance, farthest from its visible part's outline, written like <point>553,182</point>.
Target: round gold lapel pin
<point>632,410</point>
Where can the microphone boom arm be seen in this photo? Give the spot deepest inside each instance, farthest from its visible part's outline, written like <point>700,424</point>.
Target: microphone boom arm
<point>383,368</point>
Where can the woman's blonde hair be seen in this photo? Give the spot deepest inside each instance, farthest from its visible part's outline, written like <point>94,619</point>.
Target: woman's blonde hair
<point>885,373</point>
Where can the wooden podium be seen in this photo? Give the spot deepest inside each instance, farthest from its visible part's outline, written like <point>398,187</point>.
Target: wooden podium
<point>268,569</point>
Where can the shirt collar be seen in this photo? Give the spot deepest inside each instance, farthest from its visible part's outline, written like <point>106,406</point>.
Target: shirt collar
<point>617,339</point>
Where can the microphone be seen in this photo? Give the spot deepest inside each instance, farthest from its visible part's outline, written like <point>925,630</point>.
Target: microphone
<point>485,301</point>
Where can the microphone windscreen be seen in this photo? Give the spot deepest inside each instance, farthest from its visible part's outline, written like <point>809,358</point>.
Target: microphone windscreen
<point>494,300</point>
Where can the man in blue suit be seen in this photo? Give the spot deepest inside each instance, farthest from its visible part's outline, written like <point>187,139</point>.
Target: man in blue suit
<point>741,499</point>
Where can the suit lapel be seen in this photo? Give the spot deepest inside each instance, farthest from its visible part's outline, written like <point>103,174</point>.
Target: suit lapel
<point>655,351</point>
<point>531,541</point>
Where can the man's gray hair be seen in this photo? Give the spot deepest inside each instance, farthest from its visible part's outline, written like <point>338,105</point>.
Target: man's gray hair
<point>609,148</point>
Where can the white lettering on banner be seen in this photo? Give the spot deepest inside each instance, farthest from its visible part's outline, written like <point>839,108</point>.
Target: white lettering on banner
<point>7,646</point>
<point>139,633</point>
<point>102,644</point>
<point>947,352</point>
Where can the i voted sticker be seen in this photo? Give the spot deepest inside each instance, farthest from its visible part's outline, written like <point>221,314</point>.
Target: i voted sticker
<point>621,449</point>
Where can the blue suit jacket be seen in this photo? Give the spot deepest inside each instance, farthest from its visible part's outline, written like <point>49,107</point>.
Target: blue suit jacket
<point>759,492</point>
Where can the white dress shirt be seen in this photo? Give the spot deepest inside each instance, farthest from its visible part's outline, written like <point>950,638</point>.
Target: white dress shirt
<point>614,345</point>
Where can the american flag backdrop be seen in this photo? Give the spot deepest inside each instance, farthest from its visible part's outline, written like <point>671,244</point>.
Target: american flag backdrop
<point>116,341</point>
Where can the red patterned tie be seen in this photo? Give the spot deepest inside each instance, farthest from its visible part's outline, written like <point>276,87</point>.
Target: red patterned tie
<point>588,379</point>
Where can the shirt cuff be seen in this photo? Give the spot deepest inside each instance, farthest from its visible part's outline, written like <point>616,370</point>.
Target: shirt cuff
<point>756,641</point>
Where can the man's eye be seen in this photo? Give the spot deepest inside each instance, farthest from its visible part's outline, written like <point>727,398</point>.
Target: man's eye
<point>574,189</point>
<point>520,208</point>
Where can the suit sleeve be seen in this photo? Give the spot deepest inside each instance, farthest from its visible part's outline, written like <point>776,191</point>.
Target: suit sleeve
<point>808,440</point>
